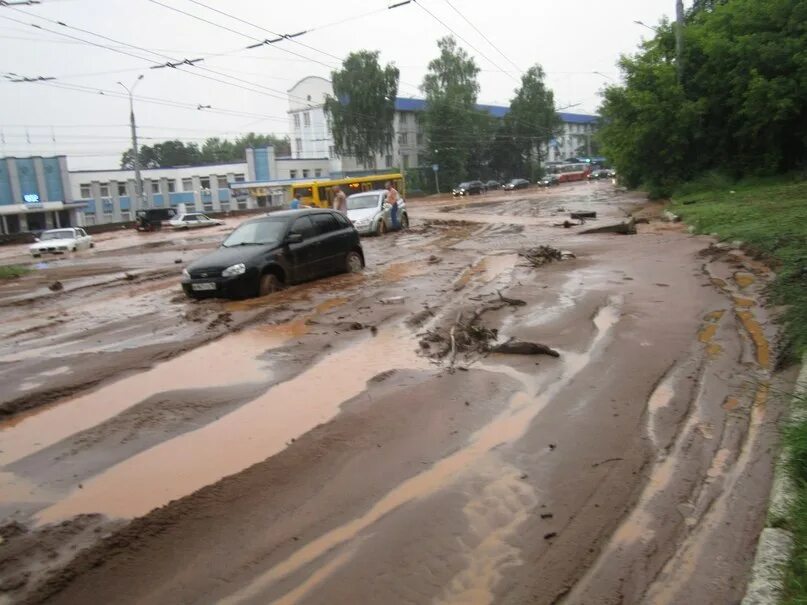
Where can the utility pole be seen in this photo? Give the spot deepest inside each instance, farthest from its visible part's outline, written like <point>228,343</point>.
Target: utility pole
<point>138,181</point>
<point>679,39</point>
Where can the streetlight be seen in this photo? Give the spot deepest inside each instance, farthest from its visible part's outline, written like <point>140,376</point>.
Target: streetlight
<point>643,24</point>
<point>138,182</point>
<point>599,73</point>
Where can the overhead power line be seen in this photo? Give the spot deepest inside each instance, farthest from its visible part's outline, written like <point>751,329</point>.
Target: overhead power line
<point>477,30</point>
<point>449,28</point>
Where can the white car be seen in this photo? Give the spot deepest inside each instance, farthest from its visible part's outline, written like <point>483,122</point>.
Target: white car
<point>194,220</point>
<point>61,241</point>
<point>370,213</point>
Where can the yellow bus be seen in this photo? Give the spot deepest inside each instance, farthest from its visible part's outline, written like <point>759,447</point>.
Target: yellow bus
<point>319,192</point>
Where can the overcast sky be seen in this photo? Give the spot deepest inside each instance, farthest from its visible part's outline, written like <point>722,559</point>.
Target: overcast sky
<point>571,40</point>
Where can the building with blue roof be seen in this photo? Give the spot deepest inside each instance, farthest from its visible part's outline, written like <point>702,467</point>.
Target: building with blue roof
<point>311,136</point>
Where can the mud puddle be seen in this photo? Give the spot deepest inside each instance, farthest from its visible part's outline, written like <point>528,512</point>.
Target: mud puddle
<point>507,428</point>
<point>248,435</point>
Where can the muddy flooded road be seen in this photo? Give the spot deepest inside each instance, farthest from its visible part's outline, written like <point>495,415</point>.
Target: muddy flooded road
<point>358,440</point>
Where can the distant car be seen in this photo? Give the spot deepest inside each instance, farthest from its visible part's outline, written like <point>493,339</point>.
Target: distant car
<point>370,213</point>
<point>469,188</point>
<point>550,180</point>
<point>61,241</point>
<point>265,254</point>
<point>151,219</point>
<point>601,173</point>
<point>194,220</point>
<point>516,184</point>
<point>493,185</point>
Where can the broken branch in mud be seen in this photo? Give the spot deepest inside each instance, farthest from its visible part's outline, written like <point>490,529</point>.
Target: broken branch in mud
<point>542,255</point>
<point>513,302</point>
<point>519,347</point>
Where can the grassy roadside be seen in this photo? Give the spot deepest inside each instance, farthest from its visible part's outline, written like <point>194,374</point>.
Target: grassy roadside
<point>770,216</point>
<point>12,271</point>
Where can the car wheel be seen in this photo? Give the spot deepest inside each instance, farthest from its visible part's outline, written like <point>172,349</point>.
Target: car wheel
<point>404,221</point>
<point>92,245</point>
<point>37,255</point>
<point>353,263</point>
<point>269,284</point>
<point>382,227</point>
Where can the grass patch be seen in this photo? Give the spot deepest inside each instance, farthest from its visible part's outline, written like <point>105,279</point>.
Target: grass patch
<point>12,271</point>
<point>770,216</point>
<point>795,441</point>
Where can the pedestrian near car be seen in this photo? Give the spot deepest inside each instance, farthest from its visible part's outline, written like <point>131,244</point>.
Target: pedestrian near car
<point>339,200</point>
<point>392,200</point>
<point>296,203</point>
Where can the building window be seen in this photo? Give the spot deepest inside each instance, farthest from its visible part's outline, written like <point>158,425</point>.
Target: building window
<point>296,120</point>
<point>299,146</point>
<point>419,138</point>
<point>187,184</point>
<point>104,189</point>
<point>204,182</point>
<point>155,186</point>
<point>307,119</point>
<point>292,174</point>
<point>121,189</point>
<point>84,192</point>
<point>239,178</point>
<point>405,160</point>
<point>402,138</point>
<point>317,173</point>
<point>222,182</point>
<point>172,186</point>
<point>305,173</point>
<point>331,151</point>
<point>388,161</point>
<point>108,208</point>
<point>403,119</point>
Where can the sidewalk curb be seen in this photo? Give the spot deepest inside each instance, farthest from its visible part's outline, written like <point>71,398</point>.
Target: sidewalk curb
<point>775,544</point>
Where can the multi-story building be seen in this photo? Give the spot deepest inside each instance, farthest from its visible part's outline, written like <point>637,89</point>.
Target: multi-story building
<point>311,135</point>
<point>35,194</point>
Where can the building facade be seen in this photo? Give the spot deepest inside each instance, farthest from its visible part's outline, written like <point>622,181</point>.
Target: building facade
<point>108,196</point>
<point>311,135</point>
<point>35,195</point>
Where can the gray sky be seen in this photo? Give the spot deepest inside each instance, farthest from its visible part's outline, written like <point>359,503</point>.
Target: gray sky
<point>569,39</point>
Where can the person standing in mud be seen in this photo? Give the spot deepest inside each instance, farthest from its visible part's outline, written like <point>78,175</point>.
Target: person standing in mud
<point>339,200</point>
<point>392,200</point>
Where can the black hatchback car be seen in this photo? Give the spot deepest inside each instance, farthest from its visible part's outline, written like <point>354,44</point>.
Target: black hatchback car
<point>516,184</point>
<point>265,254</point>
<point>469,188</point>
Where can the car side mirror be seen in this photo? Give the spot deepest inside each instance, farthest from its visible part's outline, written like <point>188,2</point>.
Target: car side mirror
<point>294,238</point>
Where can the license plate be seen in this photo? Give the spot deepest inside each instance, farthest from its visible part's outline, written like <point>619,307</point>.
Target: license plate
<point>204,286</point>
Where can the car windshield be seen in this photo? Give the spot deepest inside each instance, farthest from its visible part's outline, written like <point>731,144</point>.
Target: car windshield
<point>60,234</point>
<point>363,201</point>
<point>463,185</point>
<point>268,231</point>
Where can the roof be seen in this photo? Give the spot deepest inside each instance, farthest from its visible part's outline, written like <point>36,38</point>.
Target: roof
<point>497,111</point>
<point>291,213</point>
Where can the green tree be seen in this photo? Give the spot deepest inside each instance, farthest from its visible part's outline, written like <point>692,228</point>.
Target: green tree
<point>532,120</point>
<point>451,122</point>
<point>213,150</point>
<point>740,108</point>
<point>362,112</point>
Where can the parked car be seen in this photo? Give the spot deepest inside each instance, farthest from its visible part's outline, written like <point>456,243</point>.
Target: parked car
<point>493,185</point>
<point>469,188</point>
<point>151,219</point>
<point>61,241</point>
<point>265,254</point>
<point>516,184</point>
<point>550,180</point>
<point>601,173</point>
<point>194,220</point>
<point>370,213</point>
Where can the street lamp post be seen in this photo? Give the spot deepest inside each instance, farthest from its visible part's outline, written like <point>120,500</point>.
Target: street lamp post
<point>138,181</point>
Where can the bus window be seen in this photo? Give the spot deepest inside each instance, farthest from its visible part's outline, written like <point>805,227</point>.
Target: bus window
<point>303,191</point>
<point>325,196</point>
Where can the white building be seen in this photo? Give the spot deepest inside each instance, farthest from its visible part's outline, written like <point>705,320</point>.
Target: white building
<point>311,136</point>
<point>107,195</point>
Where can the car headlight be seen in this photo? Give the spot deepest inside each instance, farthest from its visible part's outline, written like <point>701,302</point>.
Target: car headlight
<point>362,221</point>
<point>185,274</point>
<point>233,270</point>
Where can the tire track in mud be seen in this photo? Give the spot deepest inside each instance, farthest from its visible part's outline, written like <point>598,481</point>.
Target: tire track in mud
<point>668,535</point>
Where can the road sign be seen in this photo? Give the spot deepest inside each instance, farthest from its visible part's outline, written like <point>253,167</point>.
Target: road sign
<point>435,167</point>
